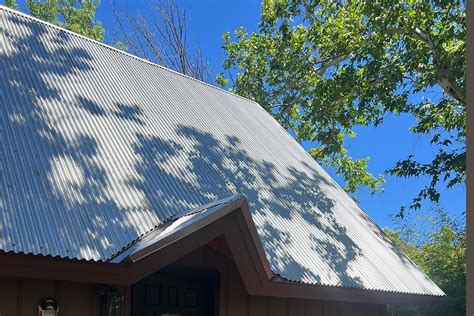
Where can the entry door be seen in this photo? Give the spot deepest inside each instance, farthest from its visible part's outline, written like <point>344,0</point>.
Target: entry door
<point>176,292</point>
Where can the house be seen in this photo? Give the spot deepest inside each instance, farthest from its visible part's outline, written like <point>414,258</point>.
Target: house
<point>130,189</point>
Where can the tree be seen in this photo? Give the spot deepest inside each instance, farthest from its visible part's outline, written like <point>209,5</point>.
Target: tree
<point>74,15</point>
<point>161,37</point>
<point>441,253</point>
<point>323,68</point>
<point>11,4</point>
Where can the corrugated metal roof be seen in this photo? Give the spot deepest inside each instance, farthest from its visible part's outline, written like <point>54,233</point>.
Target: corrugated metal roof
<point>99,147</point>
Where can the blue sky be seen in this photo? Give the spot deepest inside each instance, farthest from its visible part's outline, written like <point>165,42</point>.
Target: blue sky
<point>386,144</point>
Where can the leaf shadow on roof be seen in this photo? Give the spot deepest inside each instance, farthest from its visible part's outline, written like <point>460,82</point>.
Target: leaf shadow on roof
<point>219,168</point>
<point>173,176</point>
<point>29,139</point>
<point>216,168</point>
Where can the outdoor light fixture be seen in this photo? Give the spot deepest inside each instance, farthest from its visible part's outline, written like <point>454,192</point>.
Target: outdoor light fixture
<point>48,307</point>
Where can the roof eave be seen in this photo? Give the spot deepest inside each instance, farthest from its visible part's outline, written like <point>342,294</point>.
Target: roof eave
<point>234,223</point>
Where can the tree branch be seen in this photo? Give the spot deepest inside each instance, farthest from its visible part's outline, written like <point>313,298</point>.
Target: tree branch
<point>449,87</point>
<point>325,65</point>
<point>163,39</point>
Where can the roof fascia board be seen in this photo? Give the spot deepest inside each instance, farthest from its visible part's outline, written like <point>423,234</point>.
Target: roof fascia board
<point>51,268</point>
<point>278,288</point>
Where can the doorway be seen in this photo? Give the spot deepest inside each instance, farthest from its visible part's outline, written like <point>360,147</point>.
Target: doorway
<point>177,292</point>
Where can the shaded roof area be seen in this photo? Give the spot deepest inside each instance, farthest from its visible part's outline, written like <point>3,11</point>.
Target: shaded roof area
<point>100,147</point>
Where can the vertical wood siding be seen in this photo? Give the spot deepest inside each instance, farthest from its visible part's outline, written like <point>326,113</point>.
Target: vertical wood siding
<point>20,296</point>
<point>234,300</point>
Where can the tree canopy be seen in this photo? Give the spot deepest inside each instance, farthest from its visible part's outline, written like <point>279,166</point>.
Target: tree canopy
<point>440,252</point>
<point>323,68</point>
<point>11,4</point>
<point>75,15</point>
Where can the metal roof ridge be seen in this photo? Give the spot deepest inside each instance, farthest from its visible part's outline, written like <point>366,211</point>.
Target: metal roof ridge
<point>5,8</point>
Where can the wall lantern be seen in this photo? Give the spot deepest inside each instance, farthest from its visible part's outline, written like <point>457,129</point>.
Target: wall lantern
<point>48,307</point>
<point>111,301</point>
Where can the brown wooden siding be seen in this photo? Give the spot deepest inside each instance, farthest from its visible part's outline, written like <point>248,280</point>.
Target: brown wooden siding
<point>234,300</point>
<point>20,296</point>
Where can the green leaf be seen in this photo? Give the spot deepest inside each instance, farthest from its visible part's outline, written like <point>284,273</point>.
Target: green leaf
<point>75,15</point>
<point>323,68</point>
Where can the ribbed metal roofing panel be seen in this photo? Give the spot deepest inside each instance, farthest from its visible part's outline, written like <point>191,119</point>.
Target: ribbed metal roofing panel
<point>99,147</point>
